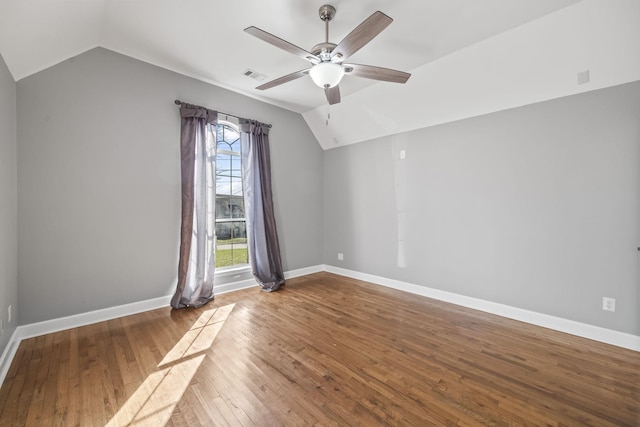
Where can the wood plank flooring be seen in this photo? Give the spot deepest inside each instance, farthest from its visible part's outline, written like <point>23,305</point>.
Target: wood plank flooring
<point>326,350</point>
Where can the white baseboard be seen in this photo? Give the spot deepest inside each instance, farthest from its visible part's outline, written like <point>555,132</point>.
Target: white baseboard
<point>596,333</point>
<point>82,319</point>
<point>8,354</point>
<point>583,330</point>
<point>303,271</point>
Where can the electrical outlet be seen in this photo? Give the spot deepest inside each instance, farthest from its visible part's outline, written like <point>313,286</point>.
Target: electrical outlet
<point>9,314</point>
<point>340,257</point>
<point>608,304</point>
<point>583,77</point>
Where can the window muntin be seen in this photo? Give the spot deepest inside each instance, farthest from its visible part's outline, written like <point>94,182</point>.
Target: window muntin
<point>231,230</point>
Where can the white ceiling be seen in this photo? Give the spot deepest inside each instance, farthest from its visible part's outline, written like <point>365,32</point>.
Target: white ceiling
<point>205,39</point>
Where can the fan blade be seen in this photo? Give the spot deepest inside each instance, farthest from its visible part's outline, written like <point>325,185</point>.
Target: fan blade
<point>333,94</point>
<point>362,34</point>
<point>282,44</point>
<point>376,73</point>
<point>284,79</point>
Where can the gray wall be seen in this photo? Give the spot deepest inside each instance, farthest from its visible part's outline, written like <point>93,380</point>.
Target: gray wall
<point>535,207</point>
<point>99,178</point>
<point>8,205</point>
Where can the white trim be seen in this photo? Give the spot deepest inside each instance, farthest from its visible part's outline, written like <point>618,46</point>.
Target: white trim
<point>82,319</point>
<point>303,271</point>
<point>234,286</point>
<point>608,336</point>
<point>231,271</point>
<point>596,333</point>
<point>8,354</point>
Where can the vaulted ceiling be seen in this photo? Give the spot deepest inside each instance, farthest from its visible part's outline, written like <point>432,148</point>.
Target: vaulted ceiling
<point>205,39</point>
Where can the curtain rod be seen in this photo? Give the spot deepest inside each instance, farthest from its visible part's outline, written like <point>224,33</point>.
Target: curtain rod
<point>178,102</point>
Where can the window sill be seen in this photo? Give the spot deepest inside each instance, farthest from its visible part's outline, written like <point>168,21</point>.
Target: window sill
<point>232,271</point>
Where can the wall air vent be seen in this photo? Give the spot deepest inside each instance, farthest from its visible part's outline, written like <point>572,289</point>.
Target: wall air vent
<point>254,75</point>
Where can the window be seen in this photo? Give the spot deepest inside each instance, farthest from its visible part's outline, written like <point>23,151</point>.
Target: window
<point>231,230</point>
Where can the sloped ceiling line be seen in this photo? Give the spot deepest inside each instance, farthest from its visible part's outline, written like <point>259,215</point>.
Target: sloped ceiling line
<point>36,34</point>
<point>466,57</point>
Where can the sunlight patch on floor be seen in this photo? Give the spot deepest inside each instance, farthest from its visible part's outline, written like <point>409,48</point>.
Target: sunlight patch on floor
<point>155,399</point>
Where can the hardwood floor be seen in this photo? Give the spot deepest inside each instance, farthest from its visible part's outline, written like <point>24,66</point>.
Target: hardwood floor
<point>325,350</point>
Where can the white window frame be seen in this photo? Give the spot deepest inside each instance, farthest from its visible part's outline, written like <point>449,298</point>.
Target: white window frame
<point>236,268</point>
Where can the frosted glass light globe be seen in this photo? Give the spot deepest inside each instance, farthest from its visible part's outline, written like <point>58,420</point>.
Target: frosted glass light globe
<point>326,74</point>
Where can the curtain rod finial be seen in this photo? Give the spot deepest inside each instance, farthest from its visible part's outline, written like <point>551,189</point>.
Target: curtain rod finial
<point>178,102</point>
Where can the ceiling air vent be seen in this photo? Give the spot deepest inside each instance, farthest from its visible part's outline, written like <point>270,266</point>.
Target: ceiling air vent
<point>254,75</point>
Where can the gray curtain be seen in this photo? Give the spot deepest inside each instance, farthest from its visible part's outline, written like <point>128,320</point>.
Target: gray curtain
<point>197,232</point>
<point>262,237</point>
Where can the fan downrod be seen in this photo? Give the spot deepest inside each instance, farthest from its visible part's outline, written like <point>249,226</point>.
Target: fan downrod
<point>323,50</point>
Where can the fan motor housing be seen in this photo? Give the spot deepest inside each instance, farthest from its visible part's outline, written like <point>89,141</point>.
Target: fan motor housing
<point>323,50</point>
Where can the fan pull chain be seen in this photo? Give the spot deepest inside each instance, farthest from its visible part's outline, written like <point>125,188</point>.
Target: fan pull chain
<point>328,115</point>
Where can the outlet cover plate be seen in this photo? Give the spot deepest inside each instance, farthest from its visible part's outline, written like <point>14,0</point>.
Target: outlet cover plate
<point>583,77</point>
<point>608,304</point>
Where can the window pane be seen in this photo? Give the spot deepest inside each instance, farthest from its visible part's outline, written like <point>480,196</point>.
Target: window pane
<point>235,145</point>
<point>223,185</point>
<point>231,244</point>
<point>223,174</point>
<point>231,234</point>
<point>227,138</point>
<point>223,207</point>
<point>223,158</point>
<point>236,167</point>
<point>236,187</point>
<point>230,135</point>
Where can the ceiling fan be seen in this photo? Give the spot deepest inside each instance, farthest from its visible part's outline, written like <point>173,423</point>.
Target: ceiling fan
<point>328,58</point>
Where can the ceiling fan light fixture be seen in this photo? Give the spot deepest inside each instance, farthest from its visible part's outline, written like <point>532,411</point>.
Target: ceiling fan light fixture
<point>327,58</point>
<point>326,74</point>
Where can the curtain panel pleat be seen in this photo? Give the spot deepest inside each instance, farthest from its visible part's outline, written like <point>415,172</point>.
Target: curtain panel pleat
<point>262,236</point>
<point>196,265</point>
